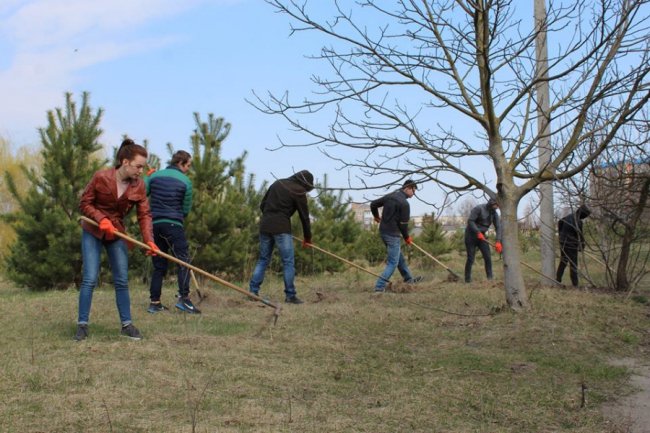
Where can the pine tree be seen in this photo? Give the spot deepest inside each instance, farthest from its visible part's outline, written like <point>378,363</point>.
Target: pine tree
<point>432,238</point>
<point>46,253</point>
<point>222,227</point>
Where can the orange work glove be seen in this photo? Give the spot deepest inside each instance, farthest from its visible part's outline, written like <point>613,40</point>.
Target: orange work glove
<point>151,171</point>
<point>107,227</point>
<point>498,247</point>
<point>306,243</point>
<point>154,249</point>
<point>408,240</point>
<point>480,236</point>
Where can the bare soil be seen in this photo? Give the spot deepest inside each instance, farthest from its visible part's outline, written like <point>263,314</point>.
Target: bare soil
<point>632,413</point>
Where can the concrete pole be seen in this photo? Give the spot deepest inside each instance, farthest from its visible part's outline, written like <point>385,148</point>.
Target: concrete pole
<point>547,220</point>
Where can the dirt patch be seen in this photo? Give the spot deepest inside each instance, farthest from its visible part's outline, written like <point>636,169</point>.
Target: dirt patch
<point>632,413</point>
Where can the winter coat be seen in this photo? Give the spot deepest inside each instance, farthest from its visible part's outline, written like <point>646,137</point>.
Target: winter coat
<point>170,195</point>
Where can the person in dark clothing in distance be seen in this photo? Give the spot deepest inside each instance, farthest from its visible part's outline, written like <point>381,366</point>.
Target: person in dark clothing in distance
<point>283,198</point>
<point>170,197</point>
<point>394,222</point>
<point>571,241</point>
<point>480,219</point>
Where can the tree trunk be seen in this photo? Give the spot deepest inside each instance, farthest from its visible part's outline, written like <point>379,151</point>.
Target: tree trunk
<point>622,282</point>
<point>512,277</point>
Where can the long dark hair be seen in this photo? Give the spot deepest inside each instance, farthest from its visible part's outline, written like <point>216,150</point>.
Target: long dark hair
<point>128,150</point>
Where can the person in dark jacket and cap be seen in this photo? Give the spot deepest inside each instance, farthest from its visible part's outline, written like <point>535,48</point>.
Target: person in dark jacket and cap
<point>571,241</point>
<point>283,198</point>
<point>480,219</point>
<point>394,221</point>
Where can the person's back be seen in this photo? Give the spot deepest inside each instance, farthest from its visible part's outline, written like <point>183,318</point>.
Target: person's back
<point>283,198</point>
<point>170,194</point>
<point>395,211</point>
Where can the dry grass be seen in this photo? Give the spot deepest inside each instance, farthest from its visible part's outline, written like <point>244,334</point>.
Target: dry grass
<point>345,361</point>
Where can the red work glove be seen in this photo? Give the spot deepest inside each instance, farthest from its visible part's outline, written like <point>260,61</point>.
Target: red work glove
<point>498,247</point>
<point>154,249</point>
<point>151,171</point>
<point>306,243</point>
<point>107,227</point>
<point>377,219</point>
<point>408,240</point>
<point>480,236</point>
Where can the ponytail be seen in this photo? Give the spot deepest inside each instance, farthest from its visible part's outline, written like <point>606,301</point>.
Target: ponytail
<point>128,150</point>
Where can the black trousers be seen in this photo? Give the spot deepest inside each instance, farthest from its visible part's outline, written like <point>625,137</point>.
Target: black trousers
<point>568,254</point>
<point>471,243</point>
<point>170,238</point>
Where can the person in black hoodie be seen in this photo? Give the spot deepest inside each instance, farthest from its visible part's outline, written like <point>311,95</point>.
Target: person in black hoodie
<point>480,219</point>
<point>283,198</point>
<point>571,241</point>
<point>394,222</point>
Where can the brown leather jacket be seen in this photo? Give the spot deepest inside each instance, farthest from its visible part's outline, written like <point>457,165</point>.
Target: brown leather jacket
<point>99,200</point>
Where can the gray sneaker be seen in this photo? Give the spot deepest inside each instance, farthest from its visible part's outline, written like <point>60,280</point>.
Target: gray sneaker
<point>82,332</point>
<point>131,332</point>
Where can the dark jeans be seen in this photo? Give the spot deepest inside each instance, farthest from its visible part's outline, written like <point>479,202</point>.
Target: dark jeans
<point>170,238</point>
<point>568,254</point>
<point>471,243</point>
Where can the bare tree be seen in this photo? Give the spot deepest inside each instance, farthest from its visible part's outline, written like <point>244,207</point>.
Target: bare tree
<point>617,188</point>
<point>399,67</point>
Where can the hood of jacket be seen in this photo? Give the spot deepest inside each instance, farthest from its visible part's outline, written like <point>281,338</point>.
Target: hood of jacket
<point>304,178</point>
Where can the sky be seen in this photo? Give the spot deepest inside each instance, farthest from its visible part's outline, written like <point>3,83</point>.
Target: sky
<point>150,64</point>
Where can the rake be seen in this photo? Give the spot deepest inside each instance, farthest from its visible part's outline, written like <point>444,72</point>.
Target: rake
<point>452,277</point>
<point>276,307</point>
<point>343,260</point>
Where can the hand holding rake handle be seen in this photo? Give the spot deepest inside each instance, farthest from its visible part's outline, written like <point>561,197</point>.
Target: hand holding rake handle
<point>142,245</point>
<point>529,266</point>
<point>341,259</point>
<point>454,275</point>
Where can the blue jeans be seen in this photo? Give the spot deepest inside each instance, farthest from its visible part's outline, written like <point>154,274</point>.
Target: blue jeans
<point>118,257</point>
<point>284,243</point>
<point>170,238</point>
<point>394,260</point>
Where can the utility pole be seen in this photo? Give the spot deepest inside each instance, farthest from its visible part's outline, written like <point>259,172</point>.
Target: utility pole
<point>547,220</point>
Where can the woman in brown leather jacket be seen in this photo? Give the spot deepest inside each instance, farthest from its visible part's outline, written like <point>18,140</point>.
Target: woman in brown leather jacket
<point>107,199</point>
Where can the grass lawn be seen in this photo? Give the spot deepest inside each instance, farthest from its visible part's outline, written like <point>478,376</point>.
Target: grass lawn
<point>345,361</point>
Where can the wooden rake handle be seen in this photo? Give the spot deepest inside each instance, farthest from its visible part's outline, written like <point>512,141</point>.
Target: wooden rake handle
<point>206,274</point>
<point>528,266</point>
<point>341,259</point>
<point>431,256</point>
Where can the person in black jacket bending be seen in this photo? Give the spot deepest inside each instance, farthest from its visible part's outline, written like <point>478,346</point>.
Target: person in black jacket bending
<point>393,222</point>
<point>480,219</point>
<point>571,241</point>
<point>283,198</point>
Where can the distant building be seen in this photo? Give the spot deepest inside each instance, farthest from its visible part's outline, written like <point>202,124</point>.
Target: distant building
<point>362,214</point>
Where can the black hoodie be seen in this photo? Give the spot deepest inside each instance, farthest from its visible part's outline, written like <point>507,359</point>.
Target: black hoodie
<point>283,198</point>
<point>570,228</point>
